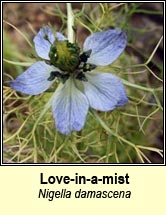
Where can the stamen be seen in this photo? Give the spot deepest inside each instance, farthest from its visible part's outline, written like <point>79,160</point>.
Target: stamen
<point>88,67</point>
<point>48,62</point>
<point>53,75</point>
<point>80,76</point>
<point>64,77</point>
<point>84,56</point>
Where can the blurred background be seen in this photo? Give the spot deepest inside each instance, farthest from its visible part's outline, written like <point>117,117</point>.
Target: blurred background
<point>138,125</point>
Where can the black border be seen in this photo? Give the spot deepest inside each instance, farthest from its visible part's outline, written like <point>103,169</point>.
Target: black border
<point>78,164</point>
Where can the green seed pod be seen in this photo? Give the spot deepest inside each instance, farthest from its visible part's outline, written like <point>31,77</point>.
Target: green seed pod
<point>53,53</point>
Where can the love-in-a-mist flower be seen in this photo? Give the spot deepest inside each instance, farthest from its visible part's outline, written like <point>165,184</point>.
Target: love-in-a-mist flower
<point>82,85</point>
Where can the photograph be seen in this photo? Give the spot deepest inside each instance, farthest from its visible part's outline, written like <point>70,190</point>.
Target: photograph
<point>83,83</point>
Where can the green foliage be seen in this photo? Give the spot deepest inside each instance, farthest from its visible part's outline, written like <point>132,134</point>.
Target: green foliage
<point>128,134</point>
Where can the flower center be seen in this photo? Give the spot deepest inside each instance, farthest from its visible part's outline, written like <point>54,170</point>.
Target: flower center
<point>64,55</point>
<point>67,57</point>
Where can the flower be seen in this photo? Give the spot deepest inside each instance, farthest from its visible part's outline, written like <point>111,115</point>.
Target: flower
<point>82,85</point>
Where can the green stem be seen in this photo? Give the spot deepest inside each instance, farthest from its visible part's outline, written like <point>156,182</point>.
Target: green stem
<point>109,131</point>
<point>70,23</point>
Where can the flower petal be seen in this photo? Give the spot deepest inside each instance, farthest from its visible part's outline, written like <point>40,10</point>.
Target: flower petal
<point>60,36</point>
<point>69,107</point>
<point>43,41</point>
<point>34,80</point>
<point>104,91</point>
<point>106,46</point>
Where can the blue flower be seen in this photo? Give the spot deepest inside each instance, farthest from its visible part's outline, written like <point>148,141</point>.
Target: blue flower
<point>82,85</point>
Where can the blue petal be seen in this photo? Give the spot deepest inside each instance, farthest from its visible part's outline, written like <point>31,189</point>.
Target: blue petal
<point>106,46</point>
<point>104,91</point>
<point>34,80</point>
<point>69,107</point>
<point>60,36</point>
<point>42,45</point>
